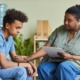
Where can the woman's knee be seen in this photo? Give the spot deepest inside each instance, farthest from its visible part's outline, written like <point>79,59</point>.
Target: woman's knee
<point>63,66</point>
<point>43,66</point>
<point>47,67</point>
<point>39,68</point>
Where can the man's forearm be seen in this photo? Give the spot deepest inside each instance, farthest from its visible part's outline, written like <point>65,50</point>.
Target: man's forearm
<point>9,64</point>
<point>20,59</point>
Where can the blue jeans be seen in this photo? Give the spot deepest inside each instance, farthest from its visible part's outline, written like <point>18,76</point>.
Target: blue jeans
<point>58,71</point>
<point>15,73</point>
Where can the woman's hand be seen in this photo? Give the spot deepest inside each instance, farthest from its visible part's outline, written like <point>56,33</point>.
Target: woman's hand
<point>27,58</point>
<point>65,55</point>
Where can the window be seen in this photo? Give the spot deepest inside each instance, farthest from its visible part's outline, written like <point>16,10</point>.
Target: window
<point>3,8</point>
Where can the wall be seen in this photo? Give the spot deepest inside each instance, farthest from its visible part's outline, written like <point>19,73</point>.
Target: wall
<point>52,10</point>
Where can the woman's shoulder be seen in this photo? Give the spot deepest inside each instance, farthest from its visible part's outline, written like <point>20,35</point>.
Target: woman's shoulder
<point>60,28</point>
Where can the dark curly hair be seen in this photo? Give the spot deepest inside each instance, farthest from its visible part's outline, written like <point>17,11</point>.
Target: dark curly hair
<point>12,15</point>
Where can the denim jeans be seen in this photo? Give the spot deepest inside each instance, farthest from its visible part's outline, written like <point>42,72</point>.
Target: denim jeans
<point>58,71</point>
<point>15,73</point>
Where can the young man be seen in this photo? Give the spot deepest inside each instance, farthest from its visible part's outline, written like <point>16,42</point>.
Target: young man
<point>17,68</point>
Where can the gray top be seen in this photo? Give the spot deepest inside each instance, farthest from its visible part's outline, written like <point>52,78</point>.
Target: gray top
<point>59,38</point>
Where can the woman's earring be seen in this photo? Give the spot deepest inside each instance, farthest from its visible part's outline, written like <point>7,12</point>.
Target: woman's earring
<point>78,25</point>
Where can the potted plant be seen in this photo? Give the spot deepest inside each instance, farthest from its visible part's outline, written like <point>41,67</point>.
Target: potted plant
<point>24,47</point>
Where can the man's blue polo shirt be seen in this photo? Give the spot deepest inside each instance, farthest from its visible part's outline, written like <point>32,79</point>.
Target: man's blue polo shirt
<point>6,46</point>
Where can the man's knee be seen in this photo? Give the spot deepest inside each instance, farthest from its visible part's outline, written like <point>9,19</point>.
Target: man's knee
<point>22,71</point>
<point>0,79</point>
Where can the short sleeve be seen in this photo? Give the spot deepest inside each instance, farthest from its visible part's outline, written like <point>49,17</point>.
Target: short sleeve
<point>2,47</point>
<point>55,34</point>
<point>52,37</point>
<point>12,48</point>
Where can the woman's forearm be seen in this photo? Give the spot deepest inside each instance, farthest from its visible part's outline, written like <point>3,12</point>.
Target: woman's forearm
<point>75,57</point>
<point>40,53</point>
<point>36,55</point>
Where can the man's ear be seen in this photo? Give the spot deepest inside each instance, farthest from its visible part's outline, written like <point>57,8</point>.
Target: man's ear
<point>7,25</point>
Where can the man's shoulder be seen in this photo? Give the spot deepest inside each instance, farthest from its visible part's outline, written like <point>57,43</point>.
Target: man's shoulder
<point>1,35</point>
<point>11,38</point>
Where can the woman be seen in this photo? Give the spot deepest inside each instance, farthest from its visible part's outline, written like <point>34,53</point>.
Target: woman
<point>66,37</point>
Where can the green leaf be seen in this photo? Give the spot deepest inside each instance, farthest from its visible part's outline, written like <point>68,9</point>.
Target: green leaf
<point>23,48</point>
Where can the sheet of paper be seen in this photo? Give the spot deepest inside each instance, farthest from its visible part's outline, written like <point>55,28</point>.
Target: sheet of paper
<point>52,51</point>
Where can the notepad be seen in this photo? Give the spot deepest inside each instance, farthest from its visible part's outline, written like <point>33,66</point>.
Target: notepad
<point>53,51</point>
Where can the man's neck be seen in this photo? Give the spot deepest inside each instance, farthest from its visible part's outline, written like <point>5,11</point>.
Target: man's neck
<point>5,32</point>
